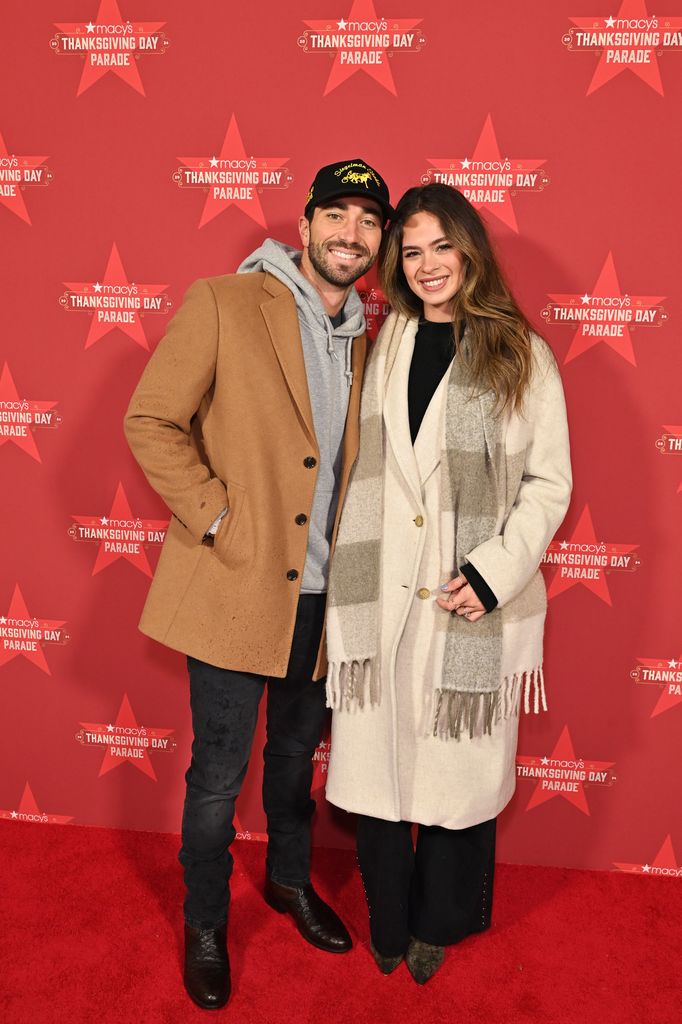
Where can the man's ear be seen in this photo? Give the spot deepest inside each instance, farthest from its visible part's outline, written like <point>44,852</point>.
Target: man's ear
<point>304,230</point>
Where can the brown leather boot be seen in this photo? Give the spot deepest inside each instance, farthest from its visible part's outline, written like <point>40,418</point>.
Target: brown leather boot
<point>207,966</point>
<point>316,921</point>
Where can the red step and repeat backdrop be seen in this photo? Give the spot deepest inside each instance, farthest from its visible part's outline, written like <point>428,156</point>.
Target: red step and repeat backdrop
<point>145,143</point>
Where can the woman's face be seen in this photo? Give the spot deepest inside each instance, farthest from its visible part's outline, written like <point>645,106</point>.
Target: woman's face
<point>431,264</point>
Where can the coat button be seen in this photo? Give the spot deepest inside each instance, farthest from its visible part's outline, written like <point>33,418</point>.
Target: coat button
<point>292,575</point>
<point>301,519</point>
<point>423,592</point>
<point>419,520</point>
<point>310,462</point>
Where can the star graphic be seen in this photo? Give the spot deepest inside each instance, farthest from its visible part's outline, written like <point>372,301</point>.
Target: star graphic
<point>488,150</point>
<point>29,806</point>
<point>9,394</point>
<point>607,286</point>
<point>676,430</point>
<point>649,73</point>
<point>110,14</point>
<point>233,150</point>
<point>669,697</point>
<point>584,534</point>
<point>127,722</point>
<point>110,727</point>
<point>3,620</point>
<point>115,275</point>
<point>15,203</point>
<point>213,161</point>
<point>564,545</point>
<point>120,510</point>
<point>665,858</point>
<point>585,298</point>
<point>363,11</point>
<point>466,163</point>
<point>564,751</point>
<point>18,610</point>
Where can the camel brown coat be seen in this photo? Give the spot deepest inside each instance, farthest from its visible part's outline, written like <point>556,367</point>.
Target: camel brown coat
<point>222,418</point>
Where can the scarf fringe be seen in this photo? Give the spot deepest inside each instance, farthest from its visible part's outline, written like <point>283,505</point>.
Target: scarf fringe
<point>349,683</point>
<point>476,713</point>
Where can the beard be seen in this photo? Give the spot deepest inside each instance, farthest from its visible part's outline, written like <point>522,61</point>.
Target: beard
<point>339,275</point>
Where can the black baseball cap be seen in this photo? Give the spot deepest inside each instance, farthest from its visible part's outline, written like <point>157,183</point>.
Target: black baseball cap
<point>348,178</point>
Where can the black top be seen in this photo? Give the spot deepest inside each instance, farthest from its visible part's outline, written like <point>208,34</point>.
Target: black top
<point>434,347</point>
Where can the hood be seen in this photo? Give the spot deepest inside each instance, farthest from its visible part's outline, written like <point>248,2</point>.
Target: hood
<point>283,261</point>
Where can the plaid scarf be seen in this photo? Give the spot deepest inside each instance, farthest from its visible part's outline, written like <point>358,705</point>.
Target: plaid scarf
<point>472,693</point>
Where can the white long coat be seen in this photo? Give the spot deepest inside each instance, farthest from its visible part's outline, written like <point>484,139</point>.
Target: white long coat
<point>384,761</point>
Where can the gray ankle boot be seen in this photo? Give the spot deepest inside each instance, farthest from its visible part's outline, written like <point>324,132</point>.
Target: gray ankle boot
<point>423,960</point>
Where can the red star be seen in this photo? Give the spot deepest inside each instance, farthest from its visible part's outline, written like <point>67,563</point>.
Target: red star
<point>677,431</point>
<point>233,151</point>
<point>110,548</point>
<point>19,611</point>
<point>584,535</point>
<point>110,14</point>
<point>607,286</point>
<point>10,188</point>
<point>363,11</point>
<point>564,752</point>
<point>488,151</point>
<point>665,858</point>
<point>127,723</point>
<point>9,396</point>
<point>114,275</point>
<point>28,806</point>
<point>635,10</point>
<point>668,698</point>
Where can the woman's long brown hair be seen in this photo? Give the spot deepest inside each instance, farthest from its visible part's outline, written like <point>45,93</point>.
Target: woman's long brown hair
<point>497,353</point>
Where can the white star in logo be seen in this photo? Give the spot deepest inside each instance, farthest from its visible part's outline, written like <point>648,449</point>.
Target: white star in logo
<point>104,521</point>
<point>610,22</point>
<point>342,24</point>
<point>90,27</point>
<point>564,545</point>
<point>3,620</point>
<point>585,298</point>
<point>646,869</point>
<point>213,161</point>
<point>97,286</point>
<point>545,761</point>
<point>466,162</point>
<point>14,814</point>
<point>671,664</point>
<point>110,727</point>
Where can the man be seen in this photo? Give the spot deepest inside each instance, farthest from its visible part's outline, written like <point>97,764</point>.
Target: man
<point>246,423</point>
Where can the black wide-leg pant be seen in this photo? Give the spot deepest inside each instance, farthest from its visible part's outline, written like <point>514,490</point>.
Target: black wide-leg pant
<point>224,708</point>
<point>438,891</point>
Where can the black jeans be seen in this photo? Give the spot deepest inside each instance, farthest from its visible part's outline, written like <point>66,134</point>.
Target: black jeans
<point>439,892</point>
<point>224,713</point>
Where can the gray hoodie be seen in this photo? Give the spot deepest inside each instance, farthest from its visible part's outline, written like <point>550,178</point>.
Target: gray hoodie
<point>327,355</point>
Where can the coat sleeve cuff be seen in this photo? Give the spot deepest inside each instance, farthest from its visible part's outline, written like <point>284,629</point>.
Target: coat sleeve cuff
<point>479,586</point>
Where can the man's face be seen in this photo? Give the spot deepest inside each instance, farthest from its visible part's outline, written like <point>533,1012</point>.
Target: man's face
<point>342,241</point>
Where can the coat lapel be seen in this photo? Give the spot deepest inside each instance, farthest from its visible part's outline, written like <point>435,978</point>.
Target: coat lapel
<point>281,319</point>
<point>395,411</point>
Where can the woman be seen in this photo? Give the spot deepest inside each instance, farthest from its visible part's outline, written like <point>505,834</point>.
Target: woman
<point>436,605</point>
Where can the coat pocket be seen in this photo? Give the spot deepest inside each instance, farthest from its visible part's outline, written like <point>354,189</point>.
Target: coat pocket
<point>226,545</point>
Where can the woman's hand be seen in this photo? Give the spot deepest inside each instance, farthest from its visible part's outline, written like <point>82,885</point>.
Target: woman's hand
<point>460,598</point>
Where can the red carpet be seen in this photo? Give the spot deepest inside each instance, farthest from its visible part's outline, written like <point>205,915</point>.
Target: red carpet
<point>91,933</point>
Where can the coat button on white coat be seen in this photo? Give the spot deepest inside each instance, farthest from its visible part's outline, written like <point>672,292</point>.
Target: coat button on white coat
<point>423,593</point>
